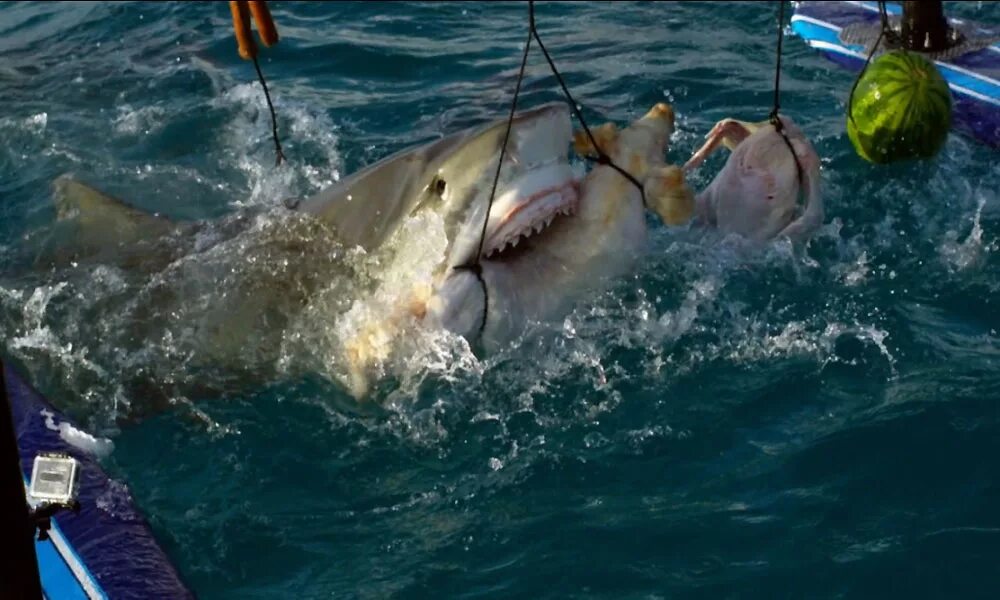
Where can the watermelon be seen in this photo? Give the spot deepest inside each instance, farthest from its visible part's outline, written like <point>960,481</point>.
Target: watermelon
<point>901,109</point>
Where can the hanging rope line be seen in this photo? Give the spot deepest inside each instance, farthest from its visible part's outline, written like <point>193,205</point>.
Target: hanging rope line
<point>602,158</point>
<point>777,67</point>
<point>243,11</point>
<point>280,156</point>
<point>773,118</point>
<point>887,34</point>
<point>475,267</point>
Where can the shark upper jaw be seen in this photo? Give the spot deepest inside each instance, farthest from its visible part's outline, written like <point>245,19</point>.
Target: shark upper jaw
<point>523,212</point>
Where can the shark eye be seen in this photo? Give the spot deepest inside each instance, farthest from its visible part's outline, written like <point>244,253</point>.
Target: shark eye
<point>438,186</point>
<point>434,189</point>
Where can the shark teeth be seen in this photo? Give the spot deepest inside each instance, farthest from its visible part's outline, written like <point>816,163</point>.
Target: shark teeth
<point>540,211</point>
<point>510,242</point>
<point>568,210</point>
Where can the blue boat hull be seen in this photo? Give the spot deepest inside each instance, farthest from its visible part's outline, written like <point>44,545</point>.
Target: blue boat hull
<point>974,77</point>
<point>107,550</point>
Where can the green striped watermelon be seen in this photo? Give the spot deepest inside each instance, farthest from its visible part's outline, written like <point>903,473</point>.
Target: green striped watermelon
<point>901,109</point>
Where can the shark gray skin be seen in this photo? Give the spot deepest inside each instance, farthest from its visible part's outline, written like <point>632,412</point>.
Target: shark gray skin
<point>548,237</point>
<point>756,194</point>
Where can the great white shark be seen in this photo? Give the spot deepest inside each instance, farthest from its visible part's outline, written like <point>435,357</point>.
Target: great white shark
<point>550,237</point>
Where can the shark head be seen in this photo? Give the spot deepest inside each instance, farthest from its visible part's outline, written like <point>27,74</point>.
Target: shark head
<point>536,189</point>
<point>453,177</point>
<point>550,237</point>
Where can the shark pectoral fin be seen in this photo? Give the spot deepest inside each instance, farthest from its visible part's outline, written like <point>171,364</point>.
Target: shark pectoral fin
<point>101,218</point>
<point>606,137</point>
<point>668,195</point>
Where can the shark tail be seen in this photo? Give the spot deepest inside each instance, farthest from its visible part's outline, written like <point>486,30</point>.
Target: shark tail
<point>92,224</point>
<point>102,218</point>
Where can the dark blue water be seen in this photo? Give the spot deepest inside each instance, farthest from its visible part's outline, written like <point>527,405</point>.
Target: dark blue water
<point>732,421</point>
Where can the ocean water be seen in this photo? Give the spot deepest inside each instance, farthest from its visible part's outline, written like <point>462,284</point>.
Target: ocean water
<point>730,421</point>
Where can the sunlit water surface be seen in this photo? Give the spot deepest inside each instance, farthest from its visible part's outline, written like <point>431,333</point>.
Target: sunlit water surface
<point>732,420</point>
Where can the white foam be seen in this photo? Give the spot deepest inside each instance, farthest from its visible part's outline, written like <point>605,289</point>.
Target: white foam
<point>99,447</point>
<point>674,325</point>
<point>144,120</point>
<point>960,256</point>
<point>116,500</point>
<point>408,351</point>
<point>37,122</point>
<point>81,440</point>
<point>39,336</point>
<point>857,272</point>
<point>248,144</point>
<point>13,296</point>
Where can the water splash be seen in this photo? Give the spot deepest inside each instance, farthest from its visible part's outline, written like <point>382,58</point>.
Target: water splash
<point>247,142</point>
<point>145,120</point>
<point>960,256</point>
<point>81,440</point>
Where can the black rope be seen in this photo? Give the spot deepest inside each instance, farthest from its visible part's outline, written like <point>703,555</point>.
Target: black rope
<point>506,138</point>
<point>274,119</point>
<point>886,28</point>
<point>476,267</point>
<point>602,158</point>
<point>774,119</point>
<point>886,33</point>
<point>777,67</point>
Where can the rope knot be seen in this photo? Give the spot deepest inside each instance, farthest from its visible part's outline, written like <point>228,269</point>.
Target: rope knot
<point>775,120</point>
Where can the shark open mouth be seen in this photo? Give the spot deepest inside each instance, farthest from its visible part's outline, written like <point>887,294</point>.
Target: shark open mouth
<point>529,220</point>
<point>525,213</point>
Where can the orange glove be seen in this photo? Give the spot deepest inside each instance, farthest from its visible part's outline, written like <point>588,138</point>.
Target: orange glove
<point>242,11</point>
<point>265,24</point>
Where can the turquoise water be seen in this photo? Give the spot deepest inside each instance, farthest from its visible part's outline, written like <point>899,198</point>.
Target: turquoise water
<point>731,421</point>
